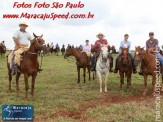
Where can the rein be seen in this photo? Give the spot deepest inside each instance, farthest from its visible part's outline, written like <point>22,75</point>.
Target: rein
<point>124,56</point>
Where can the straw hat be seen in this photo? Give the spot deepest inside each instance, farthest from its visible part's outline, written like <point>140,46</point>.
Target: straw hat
<point>100,34</point>
<point>23,23</point>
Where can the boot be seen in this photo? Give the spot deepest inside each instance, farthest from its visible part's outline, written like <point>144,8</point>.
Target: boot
<point>111,67</point>
<point>13,72</point>
<point>116,69</point>
<point>141,72</point>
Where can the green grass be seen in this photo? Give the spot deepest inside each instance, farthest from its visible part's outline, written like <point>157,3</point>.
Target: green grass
<point>56,90</point>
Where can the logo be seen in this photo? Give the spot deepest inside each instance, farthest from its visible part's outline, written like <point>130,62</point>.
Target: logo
<point>17,112</point>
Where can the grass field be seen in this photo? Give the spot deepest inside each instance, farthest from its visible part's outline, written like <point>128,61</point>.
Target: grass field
<point>59,98</point>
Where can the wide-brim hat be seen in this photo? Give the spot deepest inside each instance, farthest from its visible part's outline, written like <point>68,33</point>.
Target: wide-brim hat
<point>23,23</point>
<point>100,34</point>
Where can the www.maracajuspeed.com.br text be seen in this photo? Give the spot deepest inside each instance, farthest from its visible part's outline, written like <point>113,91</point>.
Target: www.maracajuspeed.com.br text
<point>52,16</point>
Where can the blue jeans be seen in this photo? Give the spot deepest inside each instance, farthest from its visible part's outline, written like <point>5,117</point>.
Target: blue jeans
<point>93,59</point>
<point>161,58</point>
<point>132,58</point>
<point>13,66</point>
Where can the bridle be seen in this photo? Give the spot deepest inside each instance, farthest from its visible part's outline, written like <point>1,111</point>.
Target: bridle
<point>36,38</point>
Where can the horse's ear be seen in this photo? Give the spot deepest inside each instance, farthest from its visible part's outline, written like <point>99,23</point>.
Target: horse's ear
<point>42,35</point>
<point>34,35</point>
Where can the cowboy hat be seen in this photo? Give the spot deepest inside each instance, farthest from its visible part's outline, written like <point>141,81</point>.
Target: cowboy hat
<point>23,23</point>
<point>100,34</point>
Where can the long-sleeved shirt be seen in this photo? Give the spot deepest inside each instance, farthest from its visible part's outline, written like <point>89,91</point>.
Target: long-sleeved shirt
<point>151,45</point>
<point>104,41</point>
<point>87,48</point>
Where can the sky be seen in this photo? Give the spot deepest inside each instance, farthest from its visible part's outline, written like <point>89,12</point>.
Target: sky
<point>113,18</point>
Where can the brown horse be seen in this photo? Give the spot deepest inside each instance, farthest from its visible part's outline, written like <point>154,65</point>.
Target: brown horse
<point>125,67</point>
<point>82,61</point>
<point>148,62</point>
<point>29,66</point>
<point>63,49</point>
<point>2,50</point>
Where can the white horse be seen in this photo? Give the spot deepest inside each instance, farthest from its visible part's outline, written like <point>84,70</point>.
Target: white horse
<point>103,65</point>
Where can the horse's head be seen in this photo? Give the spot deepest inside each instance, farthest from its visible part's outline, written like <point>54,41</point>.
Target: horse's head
<point>138,56</point>
<point>104,52</point>
<point>125,56</point>
<point>38,42</point>
<point>68,52</point>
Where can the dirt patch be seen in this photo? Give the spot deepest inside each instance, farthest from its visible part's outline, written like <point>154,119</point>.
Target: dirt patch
<point>106,98</point>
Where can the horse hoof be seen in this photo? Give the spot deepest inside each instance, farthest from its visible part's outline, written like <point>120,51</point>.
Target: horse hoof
<point>162,89</point>
<point>144,93</point>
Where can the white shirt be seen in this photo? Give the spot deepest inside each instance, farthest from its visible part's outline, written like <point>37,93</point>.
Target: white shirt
<point>87,48</point>
<point>23,37</point>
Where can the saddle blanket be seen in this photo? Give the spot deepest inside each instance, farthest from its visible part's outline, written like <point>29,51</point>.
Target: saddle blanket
<point>18,56</point>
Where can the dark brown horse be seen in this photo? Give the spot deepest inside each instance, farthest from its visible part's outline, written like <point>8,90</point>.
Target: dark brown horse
<point>148,64</point>
<point>82,61</point>
<point>2,50</point>
<point>57,50</point>
<point>29,66</point>
<point>125,67</point>
<point>63,49</point>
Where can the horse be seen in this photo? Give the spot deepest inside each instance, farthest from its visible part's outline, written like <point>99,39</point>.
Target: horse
<point>125,67</point>
<point>63,49</point>
<point>56,50</point>
<point>148,62</point>
<point>82,61</point>
<point>103,65</point>
<point>29,66</point>
<point>2,50</point>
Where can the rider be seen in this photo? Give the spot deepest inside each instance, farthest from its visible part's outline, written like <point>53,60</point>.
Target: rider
<point>87,47</point>
<point>125,44</point>
<point>48,45</point>
<point>98,46</point>
<point>51,46</point>
<point>57,45</point>
<point>2,43</point>
<point>21,39</point>
<point>150,43</point>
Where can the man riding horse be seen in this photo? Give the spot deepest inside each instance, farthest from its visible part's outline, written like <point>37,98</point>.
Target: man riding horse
<point>21,39</point>
<point>125,44</point>
<point>150,43</point>
<point>97,45</point>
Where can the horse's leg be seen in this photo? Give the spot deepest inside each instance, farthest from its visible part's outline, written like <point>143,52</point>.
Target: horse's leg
<point>17,82</point>
<point>145,84</point>
<point>33,84</point>
<point>100,79</point>
<point>78,68</point>
<point>121,79</point>
<point>89,73</point>
<point>10,78</point>
<point>106,79</point>
<point>128,80</point>
<point>153,83</point>
<point>162,84</point>
<point>26,85</point>
<point>84,70</point>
